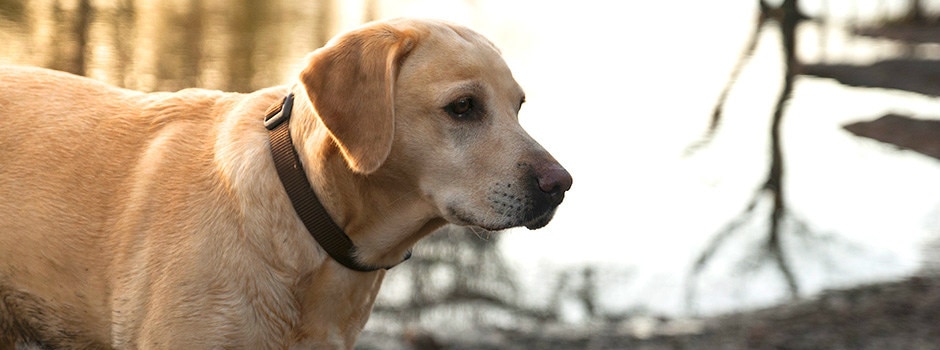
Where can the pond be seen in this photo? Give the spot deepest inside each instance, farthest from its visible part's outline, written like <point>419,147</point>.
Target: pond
<point>617,91</point>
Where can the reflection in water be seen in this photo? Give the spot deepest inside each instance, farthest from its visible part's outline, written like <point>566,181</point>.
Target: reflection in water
<point>239,45</point>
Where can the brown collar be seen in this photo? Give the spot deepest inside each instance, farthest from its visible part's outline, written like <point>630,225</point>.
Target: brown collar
<point>315,218</point>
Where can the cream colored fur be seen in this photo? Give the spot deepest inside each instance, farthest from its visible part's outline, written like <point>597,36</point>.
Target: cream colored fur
<point>157,221</point>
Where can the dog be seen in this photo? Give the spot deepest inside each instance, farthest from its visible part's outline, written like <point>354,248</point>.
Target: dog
<point>133,220</point>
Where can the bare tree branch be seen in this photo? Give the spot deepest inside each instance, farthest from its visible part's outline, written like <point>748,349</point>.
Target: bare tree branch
<point>774,185</point>
<point>788,16</point>
<point>745,56</point>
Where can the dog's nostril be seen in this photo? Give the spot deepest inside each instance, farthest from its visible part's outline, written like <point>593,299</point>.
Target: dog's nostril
<point>554,179</point>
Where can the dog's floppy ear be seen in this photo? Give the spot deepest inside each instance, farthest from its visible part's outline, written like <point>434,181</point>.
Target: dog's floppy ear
<point>351,83</point>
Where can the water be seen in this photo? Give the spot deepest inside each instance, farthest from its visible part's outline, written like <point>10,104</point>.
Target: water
<point>617,91</point>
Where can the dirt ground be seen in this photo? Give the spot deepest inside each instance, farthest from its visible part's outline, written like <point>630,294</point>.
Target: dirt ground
<point>896,315</point>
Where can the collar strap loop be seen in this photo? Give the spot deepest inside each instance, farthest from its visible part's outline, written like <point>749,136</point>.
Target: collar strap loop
<point>311,212</point>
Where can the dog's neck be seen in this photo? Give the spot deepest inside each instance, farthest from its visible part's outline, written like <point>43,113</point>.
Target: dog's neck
<point>382,216</point>
<point>314,216</point>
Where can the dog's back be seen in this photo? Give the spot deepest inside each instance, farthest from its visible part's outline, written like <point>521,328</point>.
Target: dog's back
<point>70,148</point>
<point>49,209</point>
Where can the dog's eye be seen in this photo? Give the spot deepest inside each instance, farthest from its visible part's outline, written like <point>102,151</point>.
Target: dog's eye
<point>461,108</point>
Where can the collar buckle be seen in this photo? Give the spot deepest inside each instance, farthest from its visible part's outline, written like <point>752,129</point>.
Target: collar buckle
<point>279,114</point>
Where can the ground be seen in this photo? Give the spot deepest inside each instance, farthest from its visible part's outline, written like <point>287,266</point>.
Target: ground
<point>894,315</point>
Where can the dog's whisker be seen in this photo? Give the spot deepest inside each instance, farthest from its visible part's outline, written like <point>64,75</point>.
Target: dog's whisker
<point>481,233</point>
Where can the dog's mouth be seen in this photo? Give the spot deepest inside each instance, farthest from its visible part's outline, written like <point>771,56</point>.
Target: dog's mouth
<point>507,211</point>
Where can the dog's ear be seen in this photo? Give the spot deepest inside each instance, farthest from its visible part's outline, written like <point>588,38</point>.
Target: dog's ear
<point>351,83</point>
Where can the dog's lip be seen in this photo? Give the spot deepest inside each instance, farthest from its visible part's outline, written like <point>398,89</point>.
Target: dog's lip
<point>541,220</point>
<point>531,222</point>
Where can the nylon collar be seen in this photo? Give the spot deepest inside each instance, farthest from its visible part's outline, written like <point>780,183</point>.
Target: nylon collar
<point>308,207</point>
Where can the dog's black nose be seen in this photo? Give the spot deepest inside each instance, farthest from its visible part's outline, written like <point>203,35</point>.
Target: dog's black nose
<point>553,179</point>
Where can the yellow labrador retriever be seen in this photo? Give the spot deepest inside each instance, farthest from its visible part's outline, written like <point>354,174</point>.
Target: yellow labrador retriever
<point>163,220</point>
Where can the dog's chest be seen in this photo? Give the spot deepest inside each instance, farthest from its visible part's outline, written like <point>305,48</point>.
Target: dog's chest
<point>335,306</point>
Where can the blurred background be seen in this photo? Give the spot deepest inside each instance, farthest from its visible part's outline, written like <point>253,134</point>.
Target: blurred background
<point>748,174</point>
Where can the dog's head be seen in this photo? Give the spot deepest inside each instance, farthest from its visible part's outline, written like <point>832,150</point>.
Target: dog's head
<point>434,105</point>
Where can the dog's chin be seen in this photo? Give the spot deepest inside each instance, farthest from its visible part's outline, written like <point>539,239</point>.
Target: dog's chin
<point>458,217</point>
<point>541,221</point>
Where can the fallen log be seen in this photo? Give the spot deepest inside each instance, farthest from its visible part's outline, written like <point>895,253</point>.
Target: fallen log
<point>918,135</point>
<point>912,75</point>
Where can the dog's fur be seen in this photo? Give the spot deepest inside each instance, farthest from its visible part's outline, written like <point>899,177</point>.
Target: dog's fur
<point>157,220</point>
